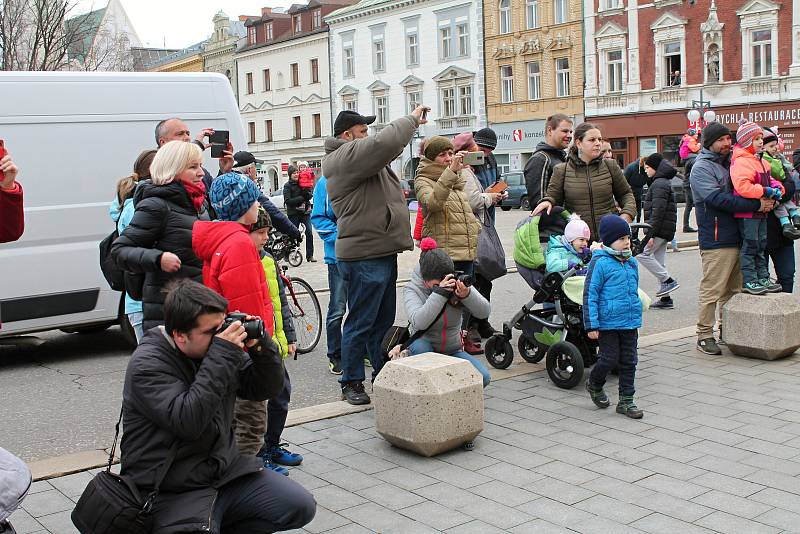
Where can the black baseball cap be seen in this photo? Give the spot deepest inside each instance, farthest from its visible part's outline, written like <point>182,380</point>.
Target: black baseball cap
<point>347,119</point>
<point>243,158</point>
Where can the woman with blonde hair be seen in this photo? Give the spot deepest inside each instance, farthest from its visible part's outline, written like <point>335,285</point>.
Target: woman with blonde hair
<point>121,211</point>
<point>158,241</point>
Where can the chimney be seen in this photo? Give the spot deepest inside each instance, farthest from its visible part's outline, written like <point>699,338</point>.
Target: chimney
<point>266,11</point>
<point>243,18</point>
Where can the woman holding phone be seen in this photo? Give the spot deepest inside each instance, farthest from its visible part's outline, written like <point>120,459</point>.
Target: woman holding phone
<point>158,240</point>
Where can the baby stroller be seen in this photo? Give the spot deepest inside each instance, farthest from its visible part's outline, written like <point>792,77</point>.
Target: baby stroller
<point>15,482</point>
<point>555,330</point>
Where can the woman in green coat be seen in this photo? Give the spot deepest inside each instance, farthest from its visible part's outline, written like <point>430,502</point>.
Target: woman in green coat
<point>587,184</point>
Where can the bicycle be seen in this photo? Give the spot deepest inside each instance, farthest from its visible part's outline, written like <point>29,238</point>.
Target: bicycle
<point>284,248</point>
<point>305,310</point>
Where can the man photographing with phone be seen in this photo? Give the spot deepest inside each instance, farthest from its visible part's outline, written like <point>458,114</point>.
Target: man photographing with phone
<point>180,388</point>
<point>12,217</point>
<point>373,227</point>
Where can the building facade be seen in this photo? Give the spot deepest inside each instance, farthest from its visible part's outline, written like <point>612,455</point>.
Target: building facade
<point>190,59</point>
<point>534,68</point>
<point>648,64</point>
<point>219,52</point>
<point>284,87</point>
<point>388,56</point>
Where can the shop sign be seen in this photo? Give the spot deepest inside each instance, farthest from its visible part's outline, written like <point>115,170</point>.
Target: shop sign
<point>522,136</point>
<point>786,117</point>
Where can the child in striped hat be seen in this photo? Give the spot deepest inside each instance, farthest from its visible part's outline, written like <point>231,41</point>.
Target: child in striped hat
<point>751,178</point>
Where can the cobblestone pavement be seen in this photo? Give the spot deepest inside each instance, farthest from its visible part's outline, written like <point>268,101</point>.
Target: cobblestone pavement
<point>717,451</point>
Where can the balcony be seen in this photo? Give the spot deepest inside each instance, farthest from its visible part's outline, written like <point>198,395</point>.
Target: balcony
<point>761,87</point>
<point>669,96</point>
<point>455,123</point>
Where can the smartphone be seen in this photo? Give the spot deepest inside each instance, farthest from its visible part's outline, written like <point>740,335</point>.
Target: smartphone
<point>219,142</point>
<point>474,158</point>
<point>2,155</point>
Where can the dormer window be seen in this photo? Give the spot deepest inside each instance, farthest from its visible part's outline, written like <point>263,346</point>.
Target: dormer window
<point>268,27</point>
<point>251,35</point>
<point>316,19</point>
<point>297,23</point>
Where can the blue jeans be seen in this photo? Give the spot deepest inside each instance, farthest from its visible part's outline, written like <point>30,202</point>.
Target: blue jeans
<point>752,255</point>
<point>423,345</point>
<point>618,348</point>
<point>337,305</point>
<point>372,300</point>
<point>783,260</point>
<point>309,237</point>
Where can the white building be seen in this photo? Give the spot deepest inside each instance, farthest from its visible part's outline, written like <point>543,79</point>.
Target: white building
<point>387,56</point>
<point>284,87</point>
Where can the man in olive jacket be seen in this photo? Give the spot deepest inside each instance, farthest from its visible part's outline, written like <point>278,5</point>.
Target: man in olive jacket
<point>178,398</point>
<point>373,223</point>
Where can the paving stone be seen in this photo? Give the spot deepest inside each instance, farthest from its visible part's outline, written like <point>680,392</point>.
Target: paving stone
<point>316,464</point>
<point>325,520</point>
<point>662,524</point>
<point>345,479</point>
<point>674,507</point>
<point>620,470</point>
<point>717,449</point>
<point>24,523</point>
<point>366,463</point>
<point>766,463</point>
<point>768,449</point>
<point>345,434</point>
<point>40,486</point>
<point>534,428</point>
<point>717,436</point>
<point>621,453</point>
<point>671,468</point>
<point>458,476</point>
<point>570,455</point>
<point>783,519</point>
<point>601,525</point>
<point>375,518</point>
<point>72,485</point>
<point>778,498</point>
<point>336,499</point>
<point>449,495</point>
<point>59,523</point>
<point>776,480</point>
<point>555,512</point>
<point>617,489</point>
<point>727,523</point>
<point>540,526</point>
<point>732,504</point>
<point>391,496</point>
<point>330,448</point>
<point>472,460</point>
<point>46,503</point>
<point>672,486</point>
<point>561,491</point>
<point>516,457</point>
<point>504,493</point>
<point>679,439</point>
<point>723,466</point>
<point>731,485</point>
<point>436,515</point>
<point>613,509</point>
<point>475,527</point>
<point>405,478</point>
<point>498,515</point>
<point>299,435</point>
<point>570,474</point>
<point>622,438</point>
<point>351,528</point>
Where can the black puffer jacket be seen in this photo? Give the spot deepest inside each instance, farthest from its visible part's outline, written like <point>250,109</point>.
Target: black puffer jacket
<point>539,169</point>
<point>170,398</point>
<point>296,199</point>
<point>660,209</point>
<point>161,223</point>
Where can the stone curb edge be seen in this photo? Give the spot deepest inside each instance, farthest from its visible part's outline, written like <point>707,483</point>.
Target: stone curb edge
<point>82,461</point>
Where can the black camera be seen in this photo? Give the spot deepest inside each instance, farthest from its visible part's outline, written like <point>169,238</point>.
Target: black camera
<point>465,279</point>
<point>253,327</point>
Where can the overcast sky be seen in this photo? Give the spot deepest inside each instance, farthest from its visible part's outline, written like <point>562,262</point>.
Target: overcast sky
<point>180,22</point>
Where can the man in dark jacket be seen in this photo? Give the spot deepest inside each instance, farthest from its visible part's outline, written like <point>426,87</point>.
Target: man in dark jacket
<point>548,154</point>
<point>373,228</point>
<point>660,212</point>
<point>718,231</point>
<point>637,179</point>
<point>298,207</point>
<point>178,399</point>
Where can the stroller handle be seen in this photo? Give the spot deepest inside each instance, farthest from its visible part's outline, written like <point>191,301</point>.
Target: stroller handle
<point>638,245</point>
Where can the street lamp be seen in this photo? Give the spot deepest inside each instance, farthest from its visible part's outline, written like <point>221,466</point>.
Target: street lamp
<point>701,110</point>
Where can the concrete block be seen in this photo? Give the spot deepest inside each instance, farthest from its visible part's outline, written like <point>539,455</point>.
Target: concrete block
<point>428,403</point>
<point>762,326</point>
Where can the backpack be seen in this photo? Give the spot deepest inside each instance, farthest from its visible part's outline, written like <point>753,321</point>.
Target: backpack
<point>113,274</point>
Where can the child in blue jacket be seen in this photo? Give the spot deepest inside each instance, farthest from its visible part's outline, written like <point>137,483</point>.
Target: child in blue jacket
<point>567,251</point>
<point>612,314</point>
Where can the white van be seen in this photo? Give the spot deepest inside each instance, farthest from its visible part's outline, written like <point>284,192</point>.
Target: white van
<point>73,135</point>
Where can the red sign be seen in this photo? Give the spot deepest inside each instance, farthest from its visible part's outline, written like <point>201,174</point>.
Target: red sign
<point>516,135</point>
<point>284,167</point>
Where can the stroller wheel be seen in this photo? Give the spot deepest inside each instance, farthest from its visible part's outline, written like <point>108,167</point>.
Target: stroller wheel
<point>498,351</point>
<point>564,364</point>
<point>530,351</point>
<point>295,258</point>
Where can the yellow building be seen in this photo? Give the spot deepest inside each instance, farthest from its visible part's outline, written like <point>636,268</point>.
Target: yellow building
<point>186,60</point>
<point>534,68</point>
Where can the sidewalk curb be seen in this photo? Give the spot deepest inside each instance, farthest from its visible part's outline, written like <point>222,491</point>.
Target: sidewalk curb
<point>82,461</point>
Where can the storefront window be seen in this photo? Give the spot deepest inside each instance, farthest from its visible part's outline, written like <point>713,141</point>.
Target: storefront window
<point>503,165</point>
<point>669,148</point>
<point>619,148</point>
<point>647,146</point>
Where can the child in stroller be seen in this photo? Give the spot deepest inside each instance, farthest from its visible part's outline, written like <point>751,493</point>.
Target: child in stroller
<point>555,329</point>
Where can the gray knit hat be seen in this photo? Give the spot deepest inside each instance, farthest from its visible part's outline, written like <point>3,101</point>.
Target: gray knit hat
<point>434,263</point>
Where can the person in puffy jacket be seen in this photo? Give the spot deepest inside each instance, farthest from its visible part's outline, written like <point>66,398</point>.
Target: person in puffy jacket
<point>637,179</point>
<point>298,207</point>
<point>786,211</point>
<point>612,314</point>
<point>431,289</point>
<point>689,144</point>
<point>12,216</point>
<point>158,241</point>
<point>660,212</point>
<point>571,249</point>
<point>751,178</point>
<point>121,212</point>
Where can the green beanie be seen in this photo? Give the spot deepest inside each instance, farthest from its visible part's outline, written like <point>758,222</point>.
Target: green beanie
<point>436,145</point>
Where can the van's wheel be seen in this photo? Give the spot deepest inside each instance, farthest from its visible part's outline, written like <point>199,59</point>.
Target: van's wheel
<point>126,327</point>
<point>91,329</point>
<point>505,208</point>
<point>530,351</point>
<point>564,364</point>
<point>525,204</point>
<point>498,352</point>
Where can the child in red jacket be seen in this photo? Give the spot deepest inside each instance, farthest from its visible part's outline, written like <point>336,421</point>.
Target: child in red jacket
<point>306,179</point>
<point>751,178</point>
<point>12,218</point>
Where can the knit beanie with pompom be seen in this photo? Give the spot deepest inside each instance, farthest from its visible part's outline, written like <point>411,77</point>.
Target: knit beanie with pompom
<point>576,228</point>
<point>746,133</point>
<point>434,263</point>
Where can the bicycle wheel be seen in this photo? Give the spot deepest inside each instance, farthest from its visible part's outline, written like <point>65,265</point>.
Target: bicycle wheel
<point>295,258</point>
<point>306,313</point>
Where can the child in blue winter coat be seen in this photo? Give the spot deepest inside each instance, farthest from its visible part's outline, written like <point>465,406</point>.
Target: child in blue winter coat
<point>567,251</point>
<point>612,314</point>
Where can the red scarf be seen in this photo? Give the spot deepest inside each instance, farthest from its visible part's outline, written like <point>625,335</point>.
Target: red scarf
<point>197,193</point>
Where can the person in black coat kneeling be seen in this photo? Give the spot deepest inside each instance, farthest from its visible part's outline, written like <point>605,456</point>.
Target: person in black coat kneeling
<point>660,212</point>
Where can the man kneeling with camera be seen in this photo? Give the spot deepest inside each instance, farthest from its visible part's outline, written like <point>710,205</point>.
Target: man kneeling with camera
<point>178,402</point>
<point>434,299</point>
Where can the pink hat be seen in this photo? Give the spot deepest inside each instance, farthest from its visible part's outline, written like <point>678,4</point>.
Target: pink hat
<point>746,133</point>
<point>463,141</point>
<point>576,228</point>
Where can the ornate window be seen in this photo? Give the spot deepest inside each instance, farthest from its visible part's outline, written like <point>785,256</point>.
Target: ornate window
<point>559,11</point>
<point>532,13</point>
<point>759,27</point>
<point>534,80</point>
<point>669,36</point>
<point>562,76</point>
<point>506,84</point>
<point>614,69</point>
<point>505,16</point>
<point>455,89</point>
